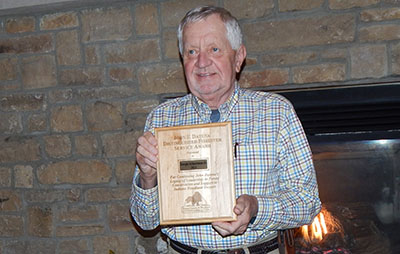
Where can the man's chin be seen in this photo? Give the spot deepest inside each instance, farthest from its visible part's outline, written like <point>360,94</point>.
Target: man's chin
<point>205,88</point>
<point>205,95</point>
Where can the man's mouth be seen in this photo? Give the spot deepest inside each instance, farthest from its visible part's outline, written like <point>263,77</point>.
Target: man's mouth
<point>205,74</point>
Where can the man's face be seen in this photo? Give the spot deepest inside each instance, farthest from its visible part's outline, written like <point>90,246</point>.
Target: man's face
<point>210,62</point>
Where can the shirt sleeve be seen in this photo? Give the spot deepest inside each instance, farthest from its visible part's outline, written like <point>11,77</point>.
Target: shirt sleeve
<point>296,202</point>
<point>144,202</point>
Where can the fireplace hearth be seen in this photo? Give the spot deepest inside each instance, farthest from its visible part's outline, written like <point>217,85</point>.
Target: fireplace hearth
<point>354,134</point>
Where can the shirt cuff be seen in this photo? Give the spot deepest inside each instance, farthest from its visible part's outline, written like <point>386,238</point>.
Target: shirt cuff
<point>265,212</point>
<point>147,197</point>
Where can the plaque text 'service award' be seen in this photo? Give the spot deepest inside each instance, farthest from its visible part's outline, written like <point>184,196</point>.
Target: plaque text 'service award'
<point>195,174</point>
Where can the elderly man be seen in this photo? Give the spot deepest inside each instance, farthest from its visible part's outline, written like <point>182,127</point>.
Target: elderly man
<point>275,179</point>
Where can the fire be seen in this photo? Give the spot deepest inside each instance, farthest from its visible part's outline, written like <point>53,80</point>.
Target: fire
<point>323,224</point>
<point>316,231</point>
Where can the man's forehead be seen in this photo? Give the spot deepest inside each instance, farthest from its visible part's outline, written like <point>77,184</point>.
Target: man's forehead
<point>213,19</point>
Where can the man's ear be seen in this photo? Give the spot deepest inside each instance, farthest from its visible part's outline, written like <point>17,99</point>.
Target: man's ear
<point>239,57</point>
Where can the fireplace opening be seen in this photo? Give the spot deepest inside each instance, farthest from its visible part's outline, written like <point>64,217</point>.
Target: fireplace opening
<point>354,134</point>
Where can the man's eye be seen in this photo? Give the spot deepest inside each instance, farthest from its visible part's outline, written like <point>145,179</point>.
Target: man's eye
<point>191,52</point>
<point>215,49</point>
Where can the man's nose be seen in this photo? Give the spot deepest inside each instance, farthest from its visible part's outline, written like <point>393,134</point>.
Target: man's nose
<point>203,60</point>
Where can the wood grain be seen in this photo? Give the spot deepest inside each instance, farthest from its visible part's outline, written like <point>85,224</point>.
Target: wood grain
<point>195,174</point>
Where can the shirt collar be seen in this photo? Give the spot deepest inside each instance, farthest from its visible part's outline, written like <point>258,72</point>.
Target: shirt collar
<point>225,109</point>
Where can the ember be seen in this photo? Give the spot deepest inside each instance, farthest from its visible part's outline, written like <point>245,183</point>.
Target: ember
<point>317,250</point>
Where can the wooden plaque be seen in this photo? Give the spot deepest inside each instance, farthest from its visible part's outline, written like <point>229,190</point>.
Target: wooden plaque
<point>195,174</point>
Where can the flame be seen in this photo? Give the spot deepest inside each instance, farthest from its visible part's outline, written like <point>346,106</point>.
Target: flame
<point>323,224</point>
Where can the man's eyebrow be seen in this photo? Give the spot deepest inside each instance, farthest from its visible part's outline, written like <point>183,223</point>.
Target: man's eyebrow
<point>186,47</point>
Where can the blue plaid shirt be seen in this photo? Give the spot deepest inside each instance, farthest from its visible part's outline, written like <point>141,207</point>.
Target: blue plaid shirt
<point>273,162</point>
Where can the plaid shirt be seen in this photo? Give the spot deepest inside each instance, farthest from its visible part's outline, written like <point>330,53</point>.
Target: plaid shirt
<point>273,162</point>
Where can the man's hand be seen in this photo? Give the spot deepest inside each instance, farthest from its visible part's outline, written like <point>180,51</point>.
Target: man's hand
<point>146,157</point>
<point>246,208</point>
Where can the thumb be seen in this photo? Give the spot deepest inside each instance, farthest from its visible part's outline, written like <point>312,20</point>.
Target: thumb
<point>239,207</point>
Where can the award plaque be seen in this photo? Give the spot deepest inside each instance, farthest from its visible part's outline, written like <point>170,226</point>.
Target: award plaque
<point>195,174</point>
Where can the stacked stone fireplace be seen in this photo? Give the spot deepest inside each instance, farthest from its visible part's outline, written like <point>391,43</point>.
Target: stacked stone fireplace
<point>77,80</point>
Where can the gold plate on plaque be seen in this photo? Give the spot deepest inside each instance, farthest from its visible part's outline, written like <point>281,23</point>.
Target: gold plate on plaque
<point>195,174</point>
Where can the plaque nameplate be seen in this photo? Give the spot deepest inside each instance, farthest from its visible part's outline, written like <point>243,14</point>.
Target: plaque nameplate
<point>195,174</point>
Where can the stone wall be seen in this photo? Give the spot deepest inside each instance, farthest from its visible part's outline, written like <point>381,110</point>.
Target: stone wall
<point>76,85</point>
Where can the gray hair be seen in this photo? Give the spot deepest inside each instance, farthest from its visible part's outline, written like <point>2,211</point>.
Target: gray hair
<point>233,31</point>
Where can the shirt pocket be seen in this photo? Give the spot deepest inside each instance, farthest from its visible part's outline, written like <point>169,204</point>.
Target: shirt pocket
<point>256,171</point>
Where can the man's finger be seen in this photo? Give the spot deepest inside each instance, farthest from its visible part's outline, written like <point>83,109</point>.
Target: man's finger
<point>148,145</point>
<point>144,155</point>
<point>150,138</point>
<point>221,231</point>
